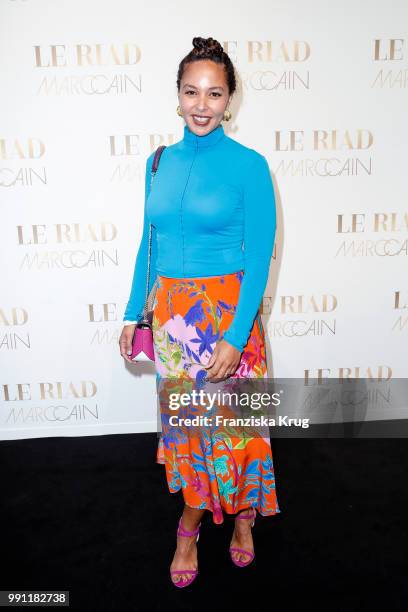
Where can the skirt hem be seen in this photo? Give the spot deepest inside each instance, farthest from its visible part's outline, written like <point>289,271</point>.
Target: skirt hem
<point>277,511</point>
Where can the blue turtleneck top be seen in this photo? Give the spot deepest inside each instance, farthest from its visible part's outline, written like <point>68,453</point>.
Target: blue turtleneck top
<point>212,210</point>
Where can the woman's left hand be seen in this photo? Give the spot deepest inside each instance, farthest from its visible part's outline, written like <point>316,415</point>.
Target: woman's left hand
<point>223,362</point>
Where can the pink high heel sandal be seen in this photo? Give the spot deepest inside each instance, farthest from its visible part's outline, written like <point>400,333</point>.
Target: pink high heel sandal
<point>248,515</point>
<point>182,532</point>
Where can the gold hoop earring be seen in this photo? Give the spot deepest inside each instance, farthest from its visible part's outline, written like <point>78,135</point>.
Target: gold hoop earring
<point>179,111</point>
<point>227,115</point>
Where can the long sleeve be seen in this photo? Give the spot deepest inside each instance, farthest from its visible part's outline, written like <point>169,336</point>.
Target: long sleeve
<point>259,239</point>
<point>134,308</point>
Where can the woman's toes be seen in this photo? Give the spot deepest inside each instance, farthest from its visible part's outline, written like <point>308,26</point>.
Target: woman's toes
<point>181,577</point>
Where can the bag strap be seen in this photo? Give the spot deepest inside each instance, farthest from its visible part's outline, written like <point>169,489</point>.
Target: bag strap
<point>155,165</point>
<point>156,158</point>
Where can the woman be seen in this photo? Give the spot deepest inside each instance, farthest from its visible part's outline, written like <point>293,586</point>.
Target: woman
<point>212,210</point>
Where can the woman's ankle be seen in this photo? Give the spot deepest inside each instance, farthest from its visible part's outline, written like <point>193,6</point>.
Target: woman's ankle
<point>191,518</point>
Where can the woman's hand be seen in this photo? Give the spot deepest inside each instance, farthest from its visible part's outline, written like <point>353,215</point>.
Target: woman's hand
<point>125,341</point>
<point>223,362</point>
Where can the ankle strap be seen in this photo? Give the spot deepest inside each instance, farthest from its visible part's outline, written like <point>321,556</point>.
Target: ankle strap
<point>247,515</point>
<point>183,532</point>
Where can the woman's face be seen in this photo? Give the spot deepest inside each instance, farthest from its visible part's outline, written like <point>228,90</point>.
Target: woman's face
<point>203,93</point>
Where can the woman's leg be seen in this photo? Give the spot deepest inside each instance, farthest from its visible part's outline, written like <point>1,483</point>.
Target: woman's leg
<point>242,537</point>
<point>185,556</point>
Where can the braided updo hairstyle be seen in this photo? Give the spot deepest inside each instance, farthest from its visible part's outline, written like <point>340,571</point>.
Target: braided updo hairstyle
<point>208,49</point>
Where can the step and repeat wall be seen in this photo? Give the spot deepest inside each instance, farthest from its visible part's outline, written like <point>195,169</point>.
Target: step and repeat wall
<point>89,91</point>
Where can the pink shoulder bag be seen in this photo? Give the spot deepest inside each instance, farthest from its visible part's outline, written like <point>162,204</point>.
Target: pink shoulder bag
<point>142,343</point>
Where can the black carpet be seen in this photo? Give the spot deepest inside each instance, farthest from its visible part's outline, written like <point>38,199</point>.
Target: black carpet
<point>94,516</point>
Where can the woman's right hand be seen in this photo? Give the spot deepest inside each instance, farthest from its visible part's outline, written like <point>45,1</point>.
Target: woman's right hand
<point>125,341</point>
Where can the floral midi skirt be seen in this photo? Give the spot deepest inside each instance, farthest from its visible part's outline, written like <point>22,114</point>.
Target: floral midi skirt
<point>220,473</point>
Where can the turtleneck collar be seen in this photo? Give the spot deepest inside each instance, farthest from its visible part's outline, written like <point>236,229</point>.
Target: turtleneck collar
<point>207,140</point>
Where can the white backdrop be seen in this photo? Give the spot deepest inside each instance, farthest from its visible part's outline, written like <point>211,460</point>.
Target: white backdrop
<point>89,90</point>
